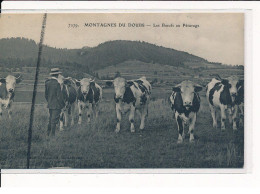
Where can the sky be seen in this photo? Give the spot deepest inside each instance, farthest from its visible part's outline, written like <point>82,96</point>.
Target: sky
<point>219,37</point>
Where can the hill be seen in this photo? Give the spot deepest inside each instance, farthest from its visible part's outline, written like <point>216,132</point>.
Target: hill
<point>17,52</point>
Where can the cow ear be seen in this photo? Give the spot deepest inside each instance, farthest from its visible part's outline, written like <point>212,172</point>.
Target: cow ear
<point>197,88</point>
<point>92,84</point>
<point>224,81</point>
<point>66,81</point>
<point>129,83</point>
<point>77,82</point>
<point>18,79</point>
<point>176,89</point>
<point>109,83</point>
<point>241,82</point>
<point>2,80</point>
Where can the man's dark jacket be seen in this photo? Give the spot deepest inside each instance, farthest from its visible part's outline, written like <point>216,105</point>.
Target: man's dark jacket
<point>53,94</point>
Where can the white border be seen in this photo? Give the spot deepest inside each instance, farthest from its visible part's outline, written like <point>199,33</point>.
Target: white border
<point>251,55</point>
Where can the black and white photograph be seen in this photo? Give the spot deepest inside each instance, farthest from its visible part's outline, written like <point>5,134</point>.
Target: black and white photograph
<point>122,90</point>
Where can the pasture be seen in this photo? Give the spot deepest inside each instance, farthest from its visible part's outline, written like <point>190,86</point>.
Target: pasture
<point>96,145</point>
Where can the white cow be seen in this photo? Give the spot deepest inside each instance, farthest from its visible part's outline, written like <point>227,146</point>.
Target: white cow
<point>89,95</point>
<point>7,91</point>
<point>223,94</point>
<point>185,102</point>
<point>69,93</point>
<point>133,95</point>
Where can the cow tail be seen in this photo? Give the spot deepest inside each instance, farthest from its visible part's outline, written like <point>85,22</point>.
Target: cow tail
<point>69,110</point>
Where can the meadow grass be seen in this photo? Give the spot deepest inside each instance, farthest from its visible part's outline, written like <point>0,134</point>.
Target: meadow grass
<point>96,145</point>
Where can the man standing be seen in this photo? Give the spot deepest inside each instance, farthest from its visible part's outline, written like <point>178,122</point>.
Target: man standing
<point>53,95</point>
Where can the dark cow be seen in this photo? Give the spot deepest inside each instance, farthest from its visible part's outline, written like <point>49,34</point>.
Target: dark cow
<point>7,89</point>
<point>133,95</point>
<point>69,93</point>
<point>185,102</point>
<point>89,95</point>
<point>226,95</point>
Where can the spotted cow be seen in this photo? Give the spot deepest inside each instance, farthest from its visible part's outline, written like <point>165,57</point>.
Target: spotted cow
<point>69,94</point>
<point>226,95</point>
<point>89,95</point>
<point>185,103</point>
<point>131,95</point>
<point>7,91</point>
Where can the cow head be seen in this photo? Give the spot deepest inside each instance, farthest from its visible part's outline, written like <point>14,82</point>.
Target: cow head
<point>85,84</point>
<point>187,89</point>
<point>233,80</point>
<point>69,81</point>
<point>120,85</point>
<point>233,84</point>
<point>11,82</point>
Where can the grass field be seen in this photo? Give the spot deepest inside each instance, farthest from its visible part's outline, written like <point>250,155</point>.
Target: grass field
<point>96,145</point>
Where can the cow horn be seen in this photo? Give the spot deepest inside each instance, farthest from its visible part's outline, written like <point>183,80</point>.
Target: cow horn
<point>18,77</point>
<point>178,85</point>
<point>216,76</point>
<point>197,85</point>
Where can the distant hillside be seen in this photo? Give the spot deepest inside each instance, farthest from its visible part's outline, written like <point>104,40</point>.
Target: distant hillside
<point>23,52</point>
<point>116,52</point>
<point>24,49</point>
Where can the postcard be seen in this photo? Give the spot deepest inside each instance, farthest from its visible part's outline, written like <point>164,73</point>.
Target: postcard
<point>122,91</point>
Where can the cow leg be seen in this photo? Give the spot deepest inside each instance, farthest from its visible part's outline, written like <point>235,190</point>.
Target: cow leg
<point>62,120</point>
<point>193,117</point>
<point>131,118</point>
<point>213,114</point>
<point>10,113</point>
<point>180,127</point>
<point>144,113</point>
<point>1,111</point>
<point>230,113</point>
<point>66,118</point>
<point>118,117</point>
<point>183,131</point>
<point>241,114</point>
<point>95,110</point>
<point>72,113</point>
<point>234,117</point>
<point>89,109</point>
<point>223,117</point>
<point>80,113</point>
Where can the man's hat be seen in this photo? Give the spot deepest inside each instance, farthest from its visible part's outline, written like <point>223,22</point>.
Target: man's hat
<point>55,71</point>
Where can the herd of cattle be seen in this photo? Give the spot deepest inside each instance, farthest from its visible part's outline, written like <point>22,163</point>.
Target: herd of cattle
<point>226,95</point>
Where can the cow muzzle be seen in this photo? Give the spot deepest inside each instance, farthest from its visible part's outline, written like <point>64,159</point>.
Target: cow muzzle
<point>84,93</point>
<point>234,94</point>
<point>187,105</point>
<point>118,98</point>
<point>11,90</point>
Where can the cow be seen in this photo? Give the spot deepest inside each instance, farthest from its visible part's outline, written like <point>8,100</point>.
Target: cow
<point>7,91</point>
<point>185,103</point>
<point>223,94</point>
<point>89,95</point>
<point>69,94</point>
<point>240,101</point>
<point>133,95</point>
